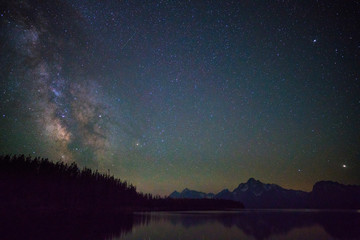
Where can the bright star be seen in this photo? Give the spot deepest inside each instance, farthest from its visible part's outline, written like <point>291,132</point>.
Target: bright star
<point>344,166</point>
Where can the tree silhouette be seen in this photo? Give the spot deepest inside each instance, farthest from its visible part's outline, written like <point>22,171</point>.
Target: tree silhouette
<point>38,185</point>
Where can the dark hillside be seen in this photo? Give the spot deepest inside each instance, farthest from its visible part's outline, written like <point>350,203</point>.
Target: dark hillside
<point>38,183</point>
<point>39,186</point>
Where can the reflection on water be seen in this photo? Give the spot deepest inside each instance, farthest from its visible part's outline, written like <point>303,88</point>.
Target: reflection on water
<point>188,225</point>
<point>60,226</point>
<point>248,225</point>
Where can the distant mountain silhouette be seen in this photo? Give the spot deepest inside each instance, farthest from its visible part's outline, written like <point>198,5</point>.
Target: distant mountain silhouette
<point>255,194</point>
<point>37,186</point>
<point>224,194</point>
<point>187,193</point>
<point>327,194</point>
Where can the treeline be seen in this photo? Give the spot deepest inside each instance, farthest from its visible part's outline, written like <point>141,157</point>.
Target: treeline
<point>39,185</point>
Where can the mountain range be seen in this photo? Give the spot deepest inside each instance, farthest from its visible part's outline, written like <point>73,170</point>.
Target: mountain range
<point>255,194</point>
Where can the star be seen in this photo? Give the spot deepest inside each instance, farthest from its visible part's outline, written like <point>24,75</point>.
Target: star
<point>209,90</point>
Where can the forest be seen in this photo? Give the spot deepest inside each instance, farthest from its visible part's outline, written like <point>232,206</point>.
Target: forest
<point>40,186</point>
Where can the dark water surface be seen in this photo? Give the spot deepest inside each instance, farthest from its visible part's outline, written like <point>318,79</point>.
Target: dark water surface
<point>254,224</point>
<point>245,224</point>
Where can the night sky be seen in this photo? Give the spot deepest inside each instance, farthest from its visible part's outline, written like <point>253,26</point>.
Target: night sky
<point>175,94</point>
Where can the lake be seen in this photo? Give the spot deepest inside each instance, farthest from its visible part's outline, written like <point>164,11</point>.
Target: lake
<point>245,224</point>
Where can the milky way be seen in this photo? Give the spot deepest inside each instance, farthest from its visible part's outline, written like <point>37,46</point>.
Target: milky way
<point>175,94</point>
<point>69,112</point>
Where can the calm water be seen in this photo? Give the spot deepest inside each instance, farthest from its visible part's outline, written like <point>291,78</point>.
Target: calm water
<point>244,225</point>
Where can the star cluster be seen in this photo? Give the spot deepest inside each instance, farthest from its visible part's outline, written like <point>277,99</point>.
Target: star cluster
<point>175,94</point>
